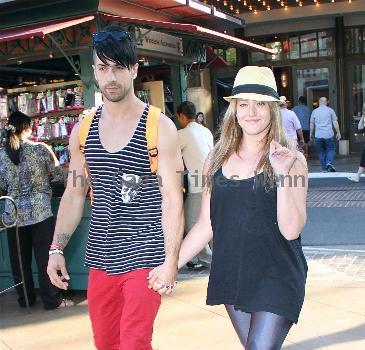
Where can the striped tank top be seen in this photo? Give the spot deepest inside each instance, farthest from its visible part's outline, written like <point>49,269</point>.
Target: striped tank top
<point>126,224</point>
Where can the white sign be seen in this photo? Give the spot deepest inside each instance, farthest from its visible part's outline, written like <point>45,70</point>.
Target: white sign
<point>160,42</point>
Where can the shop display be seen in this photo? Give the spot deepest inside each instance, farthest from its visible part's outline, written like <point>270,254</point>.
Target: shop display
<point>54,113</point>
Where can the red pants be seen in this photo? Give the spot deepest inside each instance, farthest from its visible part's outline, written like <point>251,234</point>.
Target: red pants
<point>122,310</point>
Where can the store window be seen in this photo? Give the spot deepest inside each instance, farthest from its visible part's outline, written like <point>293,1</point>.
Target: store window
<point>294,47</point>
<point>354,40</point>
<point>325,44</point>
<point>308,45</point>
<point>294,52</point>
<point>357,101</point>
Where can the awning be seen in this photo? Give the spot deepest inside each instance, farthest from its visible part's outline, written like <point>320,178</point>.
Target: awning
<point>40,29</point>
<point>193,30</point>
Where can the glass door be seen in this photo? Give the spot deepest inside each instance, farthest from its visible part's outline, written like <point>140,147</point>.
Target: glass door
<point>314,82</point>
<point>356,90</point>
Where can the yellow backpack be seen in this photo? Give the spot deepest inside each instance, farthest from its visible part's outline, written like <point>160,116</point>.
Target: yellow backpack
<point>151,136</point>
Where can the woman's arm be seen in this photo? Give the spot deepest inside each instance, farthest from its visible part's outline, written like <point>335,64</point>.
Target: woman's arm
<point>201,233</point>
<point>290,167</point>
<point>292,198</point>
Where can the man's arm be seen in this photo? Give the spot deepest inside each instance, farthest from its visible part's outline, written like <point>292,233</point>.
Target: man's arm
<point>298,129</point>
<point>336,125</point>
<point>170,168</point>
<point>311,132</point>
<point>70,211</point>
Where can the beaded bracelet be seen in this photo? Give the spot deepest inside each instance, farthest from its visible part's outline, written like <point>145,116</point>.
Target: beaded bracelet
<point>55,251</point>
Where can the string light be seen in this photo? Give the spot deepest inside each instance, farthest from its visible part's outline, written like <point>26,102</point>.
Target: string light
<point>317,4</point>
<point>245,3</point>
<point>231,7</point>
<point>255,12</point>
<point>225,3</point>
<point>264,3</point>
<point>300,4</point>
<point>286,8</point>
<point>282,4</point>
<point>250,8</point>
<point>268,8</point>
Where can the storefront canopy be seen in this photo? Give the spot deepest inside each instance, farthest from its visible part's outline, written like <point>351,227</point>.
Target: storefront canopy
<point>40,29</point>
<point>210,35</point>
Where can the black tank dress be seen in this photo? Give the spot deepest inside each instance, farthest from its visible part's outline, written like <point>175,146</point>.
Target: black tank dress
<point>253,266</point>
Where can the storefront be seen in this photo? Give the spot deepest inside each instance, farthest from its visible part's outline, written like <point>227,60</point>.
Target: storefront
<point>46,72</point>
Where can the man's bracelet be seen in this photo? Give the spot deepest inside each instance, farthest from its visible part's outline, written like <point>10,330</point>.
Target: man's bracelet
<point>55,251</point>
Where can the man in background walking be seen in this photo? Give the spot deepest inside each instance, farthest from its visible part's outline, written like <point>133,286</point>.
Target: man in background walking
<point>303,113</point>
<point>196,141</point>
<point>322,122</point>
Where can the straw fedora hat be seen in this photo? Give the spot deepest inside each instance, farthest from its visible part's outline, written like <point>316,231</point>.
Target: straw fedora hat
<point>254,83</point>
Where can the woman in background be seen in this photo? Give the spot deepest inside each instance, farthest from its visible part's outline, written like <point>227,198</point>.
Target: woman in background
<point>26,169</point>
<point>200,119</point>
<point>361,127</point>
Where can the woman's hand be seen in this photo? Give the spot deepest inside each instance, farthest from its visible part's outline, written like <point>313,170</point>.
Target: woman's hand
<point>282,158</point>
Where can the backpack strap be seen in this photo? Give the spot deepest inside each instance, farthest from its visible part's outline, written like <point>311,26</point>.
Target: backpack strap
<point>85,125</point>
<point>84,129</point>
<point>152,135</point>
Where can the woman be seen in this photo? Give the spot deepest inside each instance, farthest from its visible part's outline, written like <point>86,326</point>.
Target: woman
<point>200,119</point>
<point>361,127</point>
<point>255,212</point>
<point>25,171</point>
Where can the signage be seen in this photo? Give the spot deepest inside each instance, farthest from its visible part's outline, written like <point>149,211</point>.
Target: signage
<point>160,42</point>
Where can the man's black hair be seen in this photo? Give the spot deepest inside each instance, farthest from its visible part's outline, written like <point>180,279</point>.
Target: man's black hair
<point>188,109</point>
<point>303,100</point>
<point>122,52</point>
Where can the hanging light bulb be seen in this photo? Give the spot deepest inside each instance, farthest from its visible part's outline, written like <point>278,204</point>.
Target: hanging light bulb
<point>250,8</point>
<point>231,7</point>
<point>332,0</point>
<point>255,12</point>
<point>350,1</point>
<point>317,4</point>
<point>237,11</point>
<point>264,3</point>
<point>225,3</point>
<point>245,3</point>
<point>282,4</point>
<point>300,4</point>
<point>286,8</point>
<point>268,8</point>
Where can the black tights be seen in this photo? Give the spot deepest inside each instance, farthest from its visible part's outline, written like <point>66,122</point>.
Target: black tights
<point>259,330</point>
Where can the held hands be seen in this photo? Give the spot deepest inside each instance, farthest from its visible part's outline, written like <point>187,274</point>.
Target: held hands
<point>162,279</point>
<point>281,158</point>
<point>56,262</point>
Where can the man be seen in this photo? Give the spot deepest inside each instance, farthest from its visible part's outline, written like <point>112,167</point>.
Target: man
<point>291,123</point>
<point>196,141</point>
<point>303,113</point>
<point>321,122</point>
<point>136,225</point>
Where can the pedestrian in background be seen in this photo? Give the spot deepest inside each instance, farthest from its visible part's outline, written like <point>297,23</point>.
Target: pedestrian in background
<point>361,127</point>
<point>322,122</point>
<point>200,119</point>
<point>258,267</point>
<point>196,141</point>
<point>291,123</point>
<point>303,113</point>
<point>26,168</point>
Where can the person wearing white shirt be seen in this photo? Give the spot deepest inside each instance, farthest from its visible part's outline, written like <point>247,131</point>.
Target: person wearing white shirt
<point>196,141</point>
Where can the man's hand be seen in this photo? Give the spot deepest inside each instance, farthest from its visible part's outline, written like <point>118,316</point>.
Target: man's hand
<point>338,136</point>
<point>162,278</point>
<point>56,262</point>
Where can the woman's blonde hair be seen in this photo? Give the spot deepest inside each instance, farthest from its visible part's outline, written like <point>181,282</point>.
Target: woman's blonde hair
<point>230,140</point>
